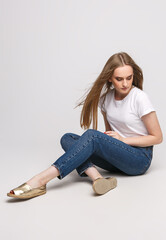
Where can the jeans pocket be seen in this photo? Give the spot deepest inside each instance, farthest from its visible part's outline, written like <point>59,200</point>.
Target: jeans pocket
<point>148,151</point>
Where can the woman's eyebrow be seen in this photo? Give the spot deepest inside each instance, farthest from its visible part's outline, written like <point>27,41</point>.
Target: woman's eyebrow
<point>127,77</point>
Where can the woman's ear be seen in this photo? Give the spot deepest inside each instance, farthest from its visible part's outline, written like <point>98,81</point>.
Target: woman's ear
<point>109,80</point>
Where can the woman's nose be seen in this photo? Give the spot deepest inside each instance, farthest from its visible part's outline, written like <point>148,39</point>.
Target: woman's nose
<point>124,83</point>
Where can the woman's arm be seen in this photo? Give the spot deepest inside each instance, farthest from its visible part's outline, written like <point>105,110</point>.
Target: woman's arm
<point>154,133</point>
<point>107,126</point>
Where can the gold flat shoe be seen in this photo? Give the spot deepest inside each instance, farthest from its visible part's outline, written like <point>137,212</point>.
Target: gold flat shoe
<point>25,191</point>
<point>103,185</point>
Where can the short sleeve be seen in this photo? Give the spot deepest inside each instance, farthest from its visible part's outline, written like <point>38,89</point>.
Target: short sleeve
<point>101,104</point>
<point>144,105</point>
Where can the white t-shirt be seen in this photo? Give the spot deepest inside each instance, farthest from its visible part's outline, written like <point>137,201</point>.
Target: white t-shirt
<point>124,116</point>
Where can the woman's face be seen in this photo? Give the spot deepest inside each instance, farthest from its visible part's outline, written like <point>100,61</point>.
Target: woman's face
<point>122,80</point>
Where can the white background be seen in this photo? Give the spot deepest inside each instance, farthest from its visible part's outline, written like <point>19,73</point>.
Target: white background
<point>50,54</point>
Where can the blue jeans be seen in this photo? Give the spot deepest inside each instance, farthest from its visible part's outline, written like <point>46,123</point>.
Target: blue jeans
<point>97,148</point>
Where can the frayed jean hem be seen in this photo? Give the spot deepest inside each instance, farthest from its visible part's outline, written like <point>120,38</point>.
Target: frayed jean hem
<point>82,171</point>
<point>60,175</point>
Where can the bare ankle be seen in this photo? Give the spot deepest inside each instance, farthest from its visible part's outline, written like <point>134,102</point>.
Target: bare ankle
<point>35,182</point>
<point>93,173</point>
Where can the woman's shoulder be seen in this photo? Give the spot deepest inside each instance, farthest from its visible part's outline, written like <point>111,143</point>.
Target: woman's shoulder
<point>139,93</point>
<point>142,102</point>
<point>138,90</point>
<point>105,98</point>
<point>108,94</point>
<point>141,97</point>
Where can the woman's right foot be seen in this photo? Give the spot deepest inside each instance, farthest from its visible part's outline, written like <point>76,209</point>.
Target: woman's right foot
<point>25,191</point>
<point>43,177</point>
<point>36,185</point>
<point>34,182</point>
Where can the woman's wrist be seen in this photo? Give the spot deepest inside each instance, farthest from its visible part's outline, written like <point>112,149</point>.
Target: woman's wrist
<point>122,139</point>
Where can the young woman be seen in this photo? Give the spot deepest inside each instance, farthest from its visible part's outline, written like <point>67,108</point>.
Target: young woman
<point>132,128</point>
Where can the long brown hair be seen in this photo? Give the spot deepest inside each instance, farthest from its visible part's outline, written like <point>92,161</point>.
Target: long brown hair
<point>101,87</point>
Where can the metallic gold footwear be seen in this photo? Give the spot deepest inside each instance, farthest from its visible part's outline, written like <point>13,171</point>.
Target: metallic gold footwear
<point>103,185</point>
<point>25,191</point>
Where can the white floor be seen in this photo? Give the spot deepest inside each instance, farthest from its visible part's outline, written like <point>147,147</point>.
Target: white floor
<point>136,209</point>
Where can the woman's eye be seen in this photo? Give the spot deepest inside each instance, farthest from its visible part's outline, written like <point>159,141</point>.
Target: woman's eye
<point>129,77</point>
<point>119,79</point>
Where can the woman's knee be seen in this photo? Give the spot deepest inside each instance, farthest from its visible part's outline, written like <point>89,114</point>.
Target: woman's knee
<point>90,132</point>
<point>68,139</point>
<point>64,139</point>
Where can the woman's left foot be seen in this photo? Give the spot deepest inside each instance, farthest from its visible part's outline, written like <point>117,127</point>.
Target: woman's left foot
<point>103,185</point>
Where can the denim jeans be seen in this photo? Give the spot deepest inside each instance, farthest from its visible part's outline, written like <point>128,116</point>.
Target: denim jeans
<point>97,148</point>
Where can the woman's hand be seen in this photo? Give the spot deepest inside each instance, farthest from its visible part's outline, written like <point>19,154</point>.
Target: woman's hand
<point>114,135</point>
